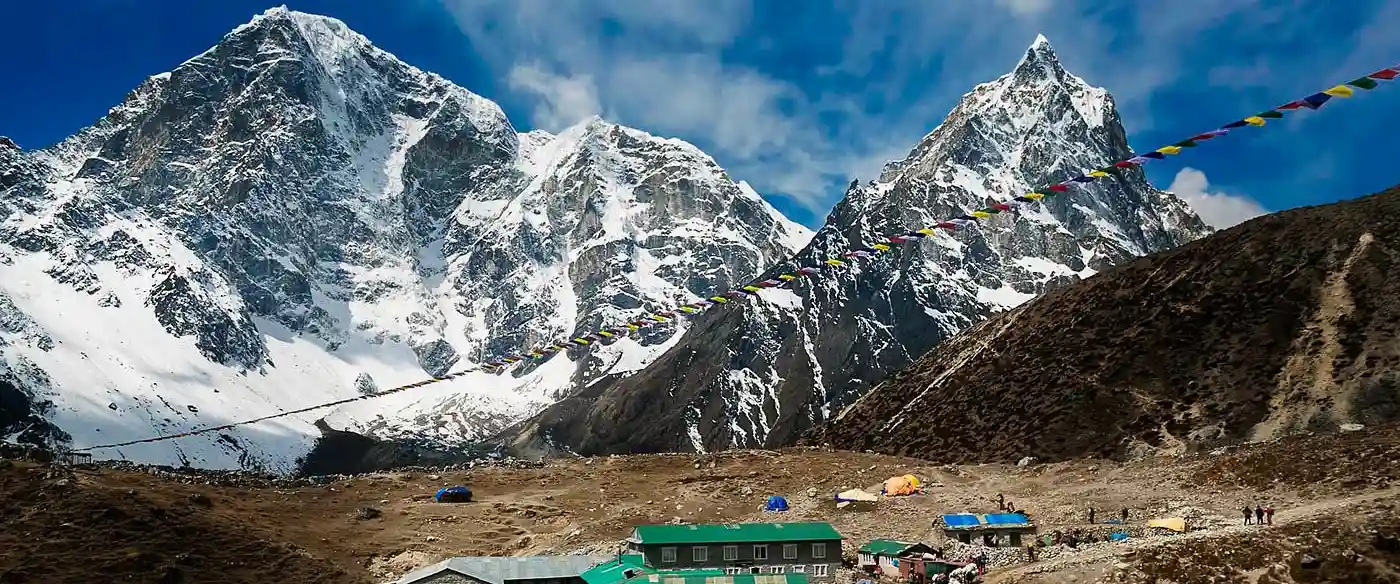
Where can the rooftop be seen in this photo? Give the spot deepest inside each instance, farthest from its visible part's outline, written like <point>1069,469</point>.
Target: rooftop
<point>996,520</point>
<point>495,570</point>
<point>887,547</point>
<point>735,533</point>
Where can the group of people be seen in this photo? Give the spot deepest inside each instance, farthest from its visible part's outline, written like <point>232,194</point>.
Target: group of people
<point>1123,515</point>
<point>1260,515</point>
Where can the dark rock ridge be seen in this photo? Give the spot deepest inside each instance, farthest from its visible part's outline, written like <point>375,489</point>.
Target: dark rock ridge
<point>1284,324</point>
<point>763,373</point>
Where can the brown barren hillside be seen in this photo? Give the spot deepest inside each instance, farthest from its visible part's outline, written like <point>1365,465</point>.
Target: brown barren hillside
<point>100,524</point>
<point>1284,323</point>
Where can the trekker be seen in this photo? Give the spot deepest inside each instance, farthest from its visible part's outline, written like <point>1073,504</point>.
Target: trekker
<point>1001,502</point>
<point>1247,514</point>
<point>1010,507</point>
<point>1269,514</point>
<point>1030,552</point>
<point>1258,515</point>
<point>1125,515</point>
<point>1091,515</point>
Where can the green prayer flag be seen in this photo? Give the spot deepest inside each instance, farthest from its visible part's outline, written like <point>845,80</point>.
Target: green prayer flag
<point>1363,82</point>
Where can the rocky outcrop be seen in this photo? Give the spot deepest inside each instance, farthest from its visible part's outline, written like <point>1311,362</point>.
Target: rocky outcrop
<point>1280,325</point>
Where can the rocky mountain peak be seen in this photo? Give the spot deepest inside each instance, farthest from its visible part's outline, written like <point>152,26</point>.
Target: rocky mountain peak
<point>1039,63</point>
<point>762,372</point>
<point>296,208</point>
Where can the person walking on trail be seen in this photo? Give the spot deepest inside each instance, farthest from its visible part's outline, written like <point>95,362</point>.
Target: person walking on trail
<point>1091,515</point>
<point>1247,514</point>
<point>1258,515</point>
<point>1125,515</point>
<point>1269,514</point>
<point>1001,502</point>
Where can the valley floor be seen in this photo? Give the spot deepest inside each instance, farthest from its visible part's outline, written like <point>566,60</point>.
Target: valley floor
<point>1338,498</point>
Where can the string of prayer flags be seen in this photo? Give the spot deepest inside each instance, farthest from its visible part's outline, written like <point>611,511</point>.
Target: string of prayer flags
<point>499,364</point>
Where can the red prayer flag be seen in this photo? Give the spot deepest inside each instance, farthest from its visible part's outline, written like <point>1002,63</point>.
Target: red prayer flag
<point>1386,74</point>
<point>1123,164</point>
<point>1060,188</point>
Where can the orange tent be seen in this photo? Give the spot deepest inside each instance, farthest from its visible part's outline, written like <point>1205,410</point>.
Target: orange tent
<point>905,485</point>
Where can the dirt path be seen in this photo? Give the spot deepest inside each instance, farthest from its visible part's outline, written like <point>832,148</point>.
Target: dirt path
<point>1097,561</point>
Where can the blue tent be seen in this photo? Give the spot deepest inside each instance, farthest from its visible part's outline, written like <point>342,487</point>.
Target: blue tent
<point>776,503</point>
<point>457,494</point>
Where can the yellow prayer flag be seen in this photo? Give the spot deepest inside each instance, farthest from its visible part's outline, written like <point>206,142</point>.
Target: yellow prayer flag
<point>981,214</point>
<point>1339,91</point>
<point>835,262</point>
<point>926,231</point>
<point>881,247</point>
<point>1097,173</point>
<point>752,288</point>
<point>1036,196</point>
<point>787,277</point>
<point>1254,121</point>
<point>657,318</point>
<point>631,326</point>
<point>1170,150</point>
<point>687,309</point>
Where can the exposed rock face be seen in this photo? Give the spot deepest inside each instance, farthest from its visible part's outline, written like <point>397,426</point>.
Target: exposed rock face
<point>762,373</point>
<point>1283,324</point>
<point>295,210</point>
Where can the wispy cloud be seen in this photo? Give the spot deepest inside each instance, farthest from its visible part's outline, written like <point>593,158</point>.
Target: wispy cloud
<point>560,100</point>
<point>1218,209</point>
<point>876,76</point>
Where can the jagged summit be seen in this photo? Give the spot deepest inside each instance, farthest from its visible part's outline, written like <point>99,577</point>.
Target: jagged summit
<point>762,373</point>
<point>1040,62</point>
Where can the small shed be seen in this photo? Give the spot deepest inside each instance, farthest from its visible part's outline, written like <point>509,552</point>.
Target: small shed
<point>991,530</point>
<point>884,555</point>
<point>921,568</point>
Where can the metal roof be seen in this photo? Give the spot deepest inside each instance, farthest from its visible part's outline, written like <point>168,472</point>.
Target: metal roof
<point>499,570</point>
<point>992,520</point>
<point>614,569</point>
<point>735,533</point>
<point>887,547</point>
<point>1006,520</point>
<point>958,520</point>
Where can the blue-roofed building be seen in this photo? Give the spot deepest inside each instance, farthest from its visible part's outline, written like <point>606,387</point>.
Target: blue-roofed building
<point>992,529</point>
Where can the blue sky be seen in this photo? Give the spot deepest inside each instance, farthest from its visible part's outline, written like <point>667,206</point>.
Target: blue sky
<point>797,97</point>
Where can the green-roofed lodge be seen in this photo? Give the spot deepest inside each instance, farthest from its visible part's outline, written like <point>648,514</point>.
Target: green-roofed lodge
<point>811,549</point>
<point>630,569</point>
<point>882,555</point>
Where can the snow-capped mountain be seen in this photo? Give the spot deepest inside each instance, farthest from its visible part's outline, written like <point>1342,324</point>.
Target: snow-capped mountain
<point>762,373</point>
<point>296,216</point>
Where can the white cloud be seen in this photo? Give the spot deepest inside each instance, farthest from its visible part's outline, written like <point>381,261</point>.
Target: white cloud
<point>1217,209</point>
<point>898,68</point>
<point>561,100</point>
<point>1025,8</point>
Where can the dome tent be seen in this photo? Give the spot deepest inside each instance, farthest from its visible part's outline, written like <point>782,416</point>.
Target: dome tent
<point>458,494</point>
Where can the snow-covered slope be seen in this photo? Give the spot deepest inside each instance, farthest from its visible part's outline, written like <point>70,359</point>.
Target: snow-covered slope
<point>762,373</point>
<point>296,216</point>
